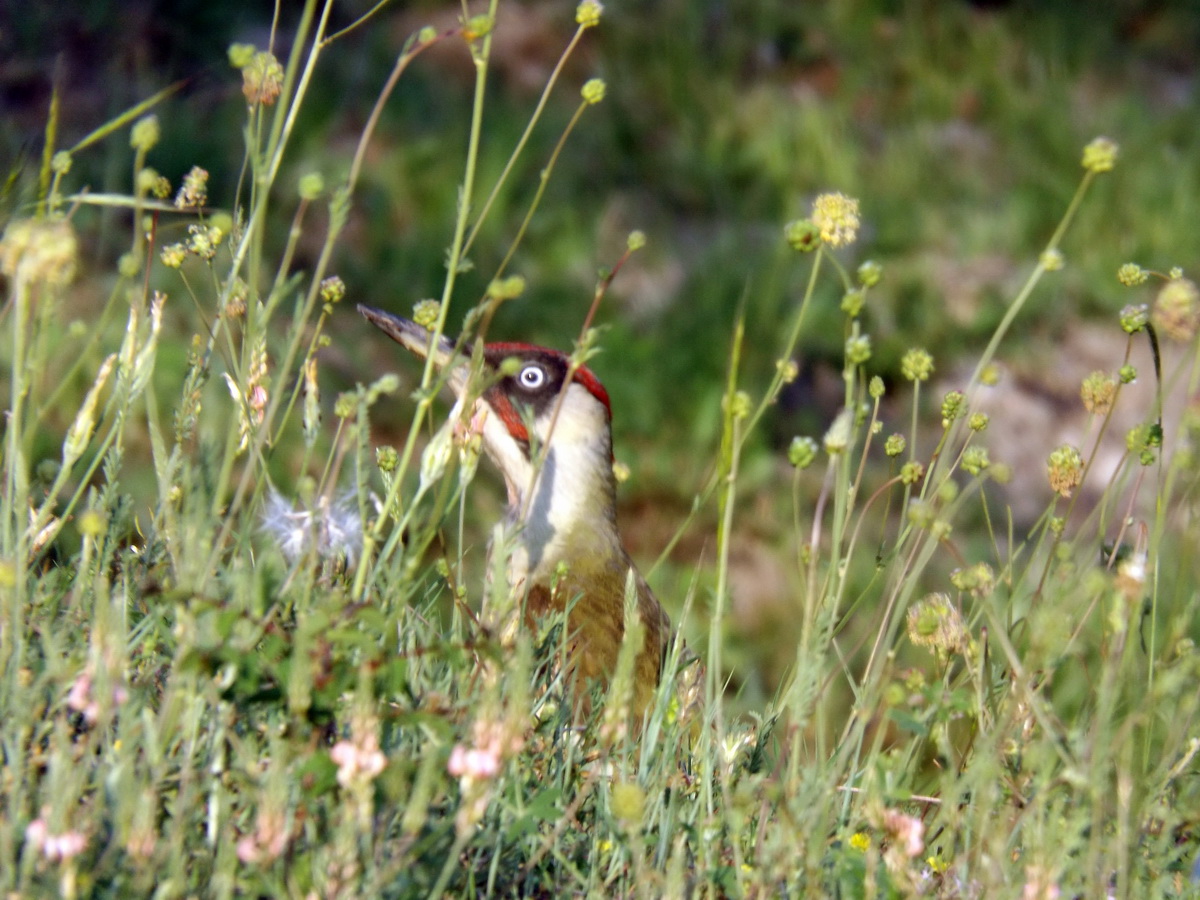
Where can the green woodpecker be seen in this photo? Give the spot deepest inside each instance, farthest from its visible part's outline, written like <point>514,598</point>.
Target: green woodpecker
<point>561,500</point>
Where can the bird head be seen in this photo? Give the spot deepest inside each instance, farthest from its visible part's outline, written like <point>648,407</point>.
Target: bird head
<point>563,457</point>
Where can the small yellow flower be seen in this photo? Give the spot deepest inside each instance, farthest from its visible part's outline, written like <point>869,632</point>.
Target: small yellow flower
<point>593,91</point>
<point>916,365</point>
<point>145,133</point>
<point>1098,392</point>
<point>978,580</point>
<point>194,191</point>
<point>1100,155</point>
<point>936,624</point>
<point>954,404</point>
<point>836,217</point>
<point>39,250</point>
<point>172,255</point>
<point>262,79</point>
<point>507,288</point>
<point>1131,275</point>
<point>975,460</point>
<point>860,841</point>
<point>1065,470</point>
<point>1134,317</point>
<point>333,289</point>
<point>1177,308</point>
<point>203,240</point>
<point>936,864</point>
<point>425,312</point>
<point>1051,260</point>
<point>587,13</point>
<point>858,349</point>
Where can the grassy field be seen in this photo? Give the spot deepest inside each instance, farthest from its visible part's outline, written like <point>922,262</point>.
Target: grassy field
<point>243,547</point>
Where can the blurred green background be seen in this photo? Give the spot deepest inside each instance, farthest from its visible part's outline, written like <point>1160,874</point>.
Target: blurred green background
<point>958,125</point>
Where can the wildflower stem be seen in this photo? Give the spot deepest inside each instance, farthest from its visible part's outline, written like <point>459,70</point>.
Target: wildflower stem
<point>702,497</point>
<point>543,180</point>
<point>439,888</point>
<point>371,537</point>
<point>728,461</point>
<point>533,120</point>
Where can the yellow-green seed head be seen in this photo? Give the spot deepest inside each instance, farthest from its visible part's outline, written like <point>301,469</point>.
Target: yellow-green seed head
<point>912,472</point>
<point>1131,275</point>
<point>426,312</point>
<point>333,289</point>
<point>1051,260</point>
<point>1065,470</point>
<point>194,190</point>
<point>587,13</point>
<point>802,452</point>
<point>975,460</point>
<point>916,364</point>
<point>1177,309</point>
<point>145,133</point>
<point>803,235</point>
<point>858,349</point>
<point>593,91</point>
<point>954,404</point>
<point>1100,155</point>
<point>1098,392</point>
<point>836,218</point>
<point>870,273</point>
<point>1134,317</point>
<point>262,79</point>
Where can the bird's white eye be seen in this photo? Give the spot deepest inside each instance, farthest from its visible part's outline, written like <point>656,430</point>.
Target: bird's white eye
<point>532,377</point>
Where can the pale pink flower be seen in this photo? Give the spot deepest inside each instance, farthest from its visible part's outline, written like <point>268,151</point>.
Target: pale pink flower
<point>268,841</point>
<point>357,762</point>
<point>908,831</point>
<point>474,764</point>
<point>54,847</point>
<point>80,698</point>
<point>1039,885</point>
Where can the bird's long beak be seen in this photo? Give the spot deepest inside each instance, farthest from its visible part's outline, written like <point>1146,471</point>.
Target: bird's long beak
<point>418,340</point>
<point>408,334</point>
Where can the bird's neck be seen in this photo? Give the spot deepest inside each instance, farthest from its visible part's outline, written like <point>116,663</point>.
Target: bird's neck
<point>567,511</point>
